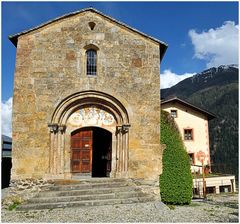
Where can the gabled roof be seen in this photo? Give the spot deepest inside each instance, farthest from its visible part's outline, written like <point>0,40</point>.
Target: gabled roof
<point>163,46</point>
<point>6,139</point>
<point>176,99</point>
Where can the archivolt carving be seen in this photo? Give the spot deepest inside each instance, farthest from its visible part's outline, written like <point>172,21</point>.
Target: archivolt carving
<point>91,115</point>
<point>88,98</point>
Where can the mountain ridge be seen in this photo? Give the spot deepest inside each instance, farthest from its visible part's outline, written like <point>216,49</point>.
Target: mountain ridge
<point>201,80</point>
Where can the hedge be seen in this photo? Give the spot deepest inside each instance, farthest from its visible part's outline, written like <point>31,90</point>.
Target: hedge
<point>176,179</point>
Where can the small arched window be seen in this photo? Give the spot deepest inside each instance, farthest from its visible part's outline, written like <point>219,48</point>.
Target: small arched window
<point>91,62</point>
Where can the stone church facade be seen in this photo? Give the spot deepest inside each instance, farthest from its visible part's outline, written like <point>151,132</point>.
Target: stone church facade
<point>86,100</point>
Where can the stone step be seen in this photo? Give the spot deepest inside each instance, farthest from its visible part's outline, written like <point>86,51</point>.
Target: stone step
<point>87,192</point>
<point>117,195</point>
<point>38,206</point>
<point>90,180</point>
<point>87,186</point>
<point>73,192</point>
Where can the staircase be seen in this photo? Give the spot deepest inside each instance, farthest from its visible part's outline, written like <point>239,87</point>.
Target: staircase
<point>89,192</point>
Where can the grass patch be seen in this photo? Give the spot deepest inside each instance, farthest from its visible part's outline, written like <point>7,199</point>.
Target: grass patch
<point>172,207</point>
<point>231,204</point>
<point>14,205</point>
<point>194,205</point>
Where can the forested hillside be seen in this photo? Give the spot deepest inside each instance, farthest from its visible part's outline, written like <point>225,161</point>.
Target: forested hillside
<point>215,90</point>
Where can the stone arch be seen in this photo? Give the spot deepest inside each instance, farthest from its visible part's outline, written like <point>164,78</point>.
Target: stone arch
<point>79,99</point>
<point>91,46</point>
<point>59,165</point>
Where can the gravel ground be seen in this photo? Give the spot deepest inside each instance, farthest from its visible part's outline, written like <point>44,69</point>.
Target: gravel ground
<point>222,208</point>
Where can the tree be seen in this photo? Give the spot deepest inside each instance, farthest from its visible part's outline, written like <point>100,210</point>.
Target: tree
<point>176,179</point>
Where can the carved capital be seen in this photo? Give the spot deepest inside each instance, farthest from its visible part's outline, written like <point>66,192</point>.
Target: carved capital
<point>123,128</point>
<point>118,129</point>
<point>62,128</point>
<point>53,128</point>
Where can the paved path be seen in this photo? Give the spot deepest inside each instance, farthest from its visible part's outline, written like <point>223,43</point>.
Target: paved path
<point>222,208</point>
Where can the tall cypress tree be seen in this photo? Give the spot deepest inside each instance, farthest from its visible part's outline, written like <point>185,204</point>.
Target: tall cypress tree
<point>176,179</point>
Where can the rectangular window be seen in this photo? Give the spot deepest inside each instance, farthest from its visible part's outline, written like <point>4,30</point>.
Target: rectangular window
<point>225,188</point>
<point>188,134</point>
<point>91,62</point>
<point>174,113</point>
<point>211,190</point>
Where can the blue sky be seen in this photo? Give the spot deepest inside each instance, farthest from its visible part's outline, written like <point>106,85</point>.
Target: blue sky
<point>189,28</point>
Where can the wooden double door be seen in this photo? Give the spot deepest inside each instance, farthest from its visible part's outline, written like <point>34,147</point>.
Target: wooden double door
<point>91,152</point>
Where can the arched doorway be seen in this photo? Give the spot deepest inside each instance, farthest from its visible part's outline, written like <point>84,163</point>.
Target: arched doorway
<point>84,110</point>
<point>91,152</point>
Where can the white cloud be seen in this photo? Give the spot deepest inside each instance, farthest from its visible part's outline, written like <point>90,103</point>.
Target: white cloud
<point>217,46</point>
<point>6,111</point>
<point>168,78</point>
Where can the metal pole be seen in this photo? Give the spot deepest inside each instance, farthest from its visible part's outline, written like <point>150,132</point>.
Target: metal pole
<point>204,183</point>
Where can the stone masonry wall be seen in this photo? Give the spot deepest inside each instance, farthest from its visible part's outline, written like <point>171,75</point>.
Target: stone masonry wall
<point>22,190</point>
<point>50,65</point>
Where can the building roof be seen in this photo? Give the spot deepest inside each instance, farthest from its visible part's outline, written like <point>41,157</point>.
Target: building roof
<point>6,146</point>
<point>163,46</point>
<point>176,99</point>
<point>6,139</point>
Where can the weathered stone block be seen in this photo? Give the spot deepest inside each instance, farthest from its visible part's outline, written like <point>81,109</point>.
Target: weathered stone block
<point>137,62</point>
<point>70,55</point>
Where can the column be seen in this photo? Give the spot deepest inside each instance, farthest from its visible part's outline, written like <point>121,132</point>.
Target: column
<point>122,150</point>
<point>114,156</point>
<point>125,133</point>
<point>118,150</point>
<point>53,146</point>
<point>51,152</point>
<point>62,129</point>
